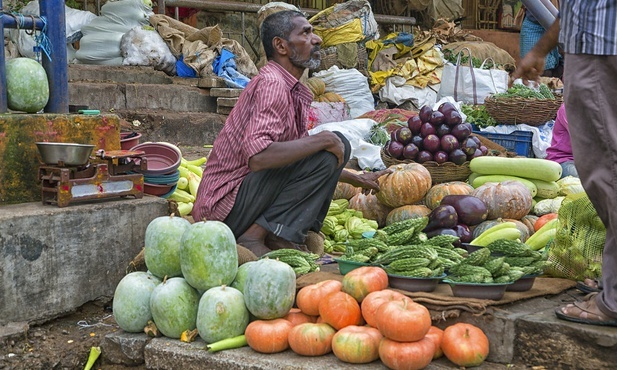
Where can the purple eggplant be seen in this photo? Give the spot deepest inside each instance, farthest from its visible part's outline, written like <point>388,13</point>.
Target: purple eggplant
<point>470,210</point>
<point>442,217</point>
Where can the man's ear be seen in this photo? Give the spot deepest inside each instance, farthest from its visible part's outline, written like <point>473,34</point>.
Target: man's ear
<point>279,45</point>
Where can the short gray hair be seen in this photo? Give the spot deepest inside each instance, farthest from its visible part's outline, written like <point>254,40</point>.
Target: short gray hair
<point>277,24</point>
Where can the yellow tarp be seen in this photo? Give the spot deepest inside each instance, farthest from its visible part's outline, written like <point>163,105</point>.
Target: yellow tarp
<point>350,32</point>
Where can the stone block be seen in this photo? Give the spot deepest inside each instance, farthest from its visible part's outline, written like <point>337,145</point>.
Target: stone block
<point>124,348</point>
<point>20,157</point>
<point>55,259</point>
<point>226,102</point>
<point>223,110</point>
<point>225,92</point>
<point>210,82</point>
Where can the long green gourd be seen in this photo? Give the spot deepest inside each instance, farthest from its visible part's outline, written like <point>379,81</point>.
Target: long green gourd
<point>531,168</point>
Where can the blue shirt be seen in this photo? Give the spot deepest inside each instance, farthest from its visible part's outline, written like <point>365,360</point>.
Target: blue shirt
<point>588,26</point>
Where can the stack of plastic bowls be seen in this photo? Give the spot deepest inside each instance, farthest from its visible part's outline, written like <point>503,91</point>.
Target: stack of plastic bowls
<point>163,160</point>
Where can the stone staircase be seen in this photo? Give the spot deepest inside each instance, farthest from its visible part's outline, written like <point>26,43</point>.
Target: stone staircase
<point>185,111</point>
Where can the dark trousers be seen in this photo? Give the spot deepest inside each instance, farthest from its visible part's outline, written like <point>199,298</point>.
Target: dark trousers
<point>592,118</point>
<point>288,201</point>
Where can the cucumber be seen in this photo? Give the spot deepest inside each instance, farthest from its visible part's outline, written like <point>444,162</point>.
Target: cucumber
<point>530,168</point>
<point>486,238</point>
<point>480,180</point>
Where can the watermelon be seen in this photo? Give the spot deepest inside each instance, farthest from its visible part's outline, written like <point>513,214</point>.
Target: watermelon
<point>208,255</point>
<point>27,87</point>
<point>162,245</point>
<point>221,314</point>
<point>270,289</point>
<point>174,305</point>
<point>131,304</point>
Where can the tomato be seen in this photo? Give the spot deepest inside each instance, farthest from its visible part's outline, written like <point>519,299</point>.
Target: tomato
<point>544,219</point>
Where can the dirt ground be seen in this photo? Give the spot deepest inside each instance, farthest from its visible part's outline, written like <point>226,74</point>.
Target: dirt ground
<point>63,343</point>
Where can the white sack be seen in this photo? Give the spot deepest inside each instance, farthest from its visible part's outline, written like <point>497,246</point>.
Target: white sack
<point>352,86</point>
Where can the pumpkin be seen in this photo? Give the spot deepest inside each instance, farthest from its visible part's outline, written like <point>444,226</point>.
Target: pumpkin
<point>506,199</point>
<point>221,314</point>
<point>345,191</point>
<point>436,193</point>
<point>359,282</point>
<point>162,245</point>
<point>357,344</point>
<point>436,335</point>
<point>373,300</point>
<point>311,339</point>
<point>407,212</point>
<point>485,225</point>
<point>407,184</point>
<point>529,221</point>
<point>370,207</point>
<point>465,344</point>
<point>316,85</point>
<point>270,289</point>
<point>296,317</point>
<point>406,355</point>
<point>174,306</point>
<point>131,304</point>
<point>339,310</point>
<point>208,255</point>
<point>330,97</point>
<point>403,320</point>
<point>308,297</point>
<point>268,336</point>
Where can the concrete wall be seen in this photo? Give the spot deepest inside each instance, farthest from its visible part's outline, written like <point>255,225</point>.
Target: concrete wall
<point>56,259</point>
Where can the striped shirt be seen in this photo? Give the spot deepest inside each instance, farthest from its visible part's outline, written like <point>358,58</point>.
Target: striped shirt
<point>273,108</point>
<point>588,26</point>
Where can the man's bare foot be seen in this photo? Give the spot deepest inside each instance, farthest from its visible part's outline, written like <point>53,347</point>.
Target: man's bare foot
<point>254,246</point>
<point>276,242</point>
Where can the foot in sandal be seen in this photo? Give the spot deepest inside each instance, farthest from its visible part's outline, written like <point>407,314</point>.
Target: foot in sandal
<point>585,312</point>
<point>589,285</point>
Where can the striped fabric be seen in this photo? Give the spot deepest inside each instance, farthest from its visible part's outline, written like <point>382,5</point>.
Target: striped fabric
<point>531,32</point>
<point>589,26</point>
<point>273,107</point>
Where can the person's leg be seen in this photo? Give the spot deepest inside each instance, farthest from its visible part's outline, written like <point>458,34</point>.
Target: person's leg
<point>285,202</point>
<point>568,169</point>
<point>591,117</point>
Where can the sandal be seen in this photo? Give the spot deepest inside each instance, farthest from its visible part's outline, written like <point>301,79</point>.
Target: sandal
<point>585,312</point>
<point>589,286</point>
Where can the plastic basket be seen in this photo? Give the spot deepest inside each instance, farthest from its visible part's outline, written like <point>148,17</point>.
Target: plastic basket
<point>518,142</point>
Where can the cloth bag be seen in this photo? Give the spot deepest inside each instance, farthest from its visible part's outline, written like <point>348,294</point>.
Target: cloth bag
<point>471,85</point>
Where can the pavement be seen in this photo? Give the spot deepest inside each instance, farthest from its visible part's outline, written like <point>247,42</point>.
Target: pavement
<point>521,335</point>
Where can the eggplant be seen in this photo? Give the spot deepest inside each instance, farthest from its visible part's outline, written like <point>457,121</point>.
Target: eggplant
<point>462,231</point>
<point>470,210</point>
<point>441,231</point>
<point>442,217</point>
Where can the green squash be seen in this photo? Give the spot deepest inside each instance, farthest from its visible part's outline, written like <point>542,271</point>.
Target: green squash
<point>162,245</point>
<point>131,304</point>
<point>221,314</point>
<point>27,87</point>
<point>270,289</point>
<point>174,306</point>
<point>208,255</point>
<point>243,273</point>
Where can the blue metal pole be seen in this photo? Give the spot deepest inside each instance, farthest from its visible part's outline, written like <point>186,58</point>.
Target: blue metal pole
<point>57,67</point>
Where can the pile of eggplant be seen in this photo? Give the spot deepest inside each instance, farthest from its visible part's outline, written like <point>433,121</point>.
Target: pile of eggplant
<point>454,215</point>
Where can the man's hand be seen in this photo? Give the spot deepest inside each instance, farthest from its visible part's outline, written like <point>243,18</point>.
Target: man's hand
<point>334,145</point>
<point>368,181</point>
<point>530,67</point>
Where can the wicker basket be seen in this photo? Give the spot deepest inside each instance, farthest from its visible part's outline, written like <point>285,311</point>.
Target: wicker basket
<point>330,57</point>
<point>444,172</point>
<point>512,111</point>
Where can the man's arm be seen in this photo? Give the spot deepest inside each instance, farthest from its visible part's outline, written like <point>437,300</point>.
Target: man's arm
<point>280,154</point>
<point>367,181</point>
<point>532,65</point>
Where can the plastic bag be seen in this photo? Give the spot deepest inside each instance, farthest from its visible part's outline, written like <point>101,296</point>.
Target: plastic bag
<point>352,86</point>
<point>356,131</point>
<point>141,47</point>
<point>103,36</point>
<point>471,85</point>
<point>397,91</point>
<point>326,112</point>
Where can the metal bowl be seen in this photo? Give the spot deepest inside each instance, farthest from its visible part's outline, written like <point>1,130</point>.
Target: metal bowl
<point>67,154</point>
